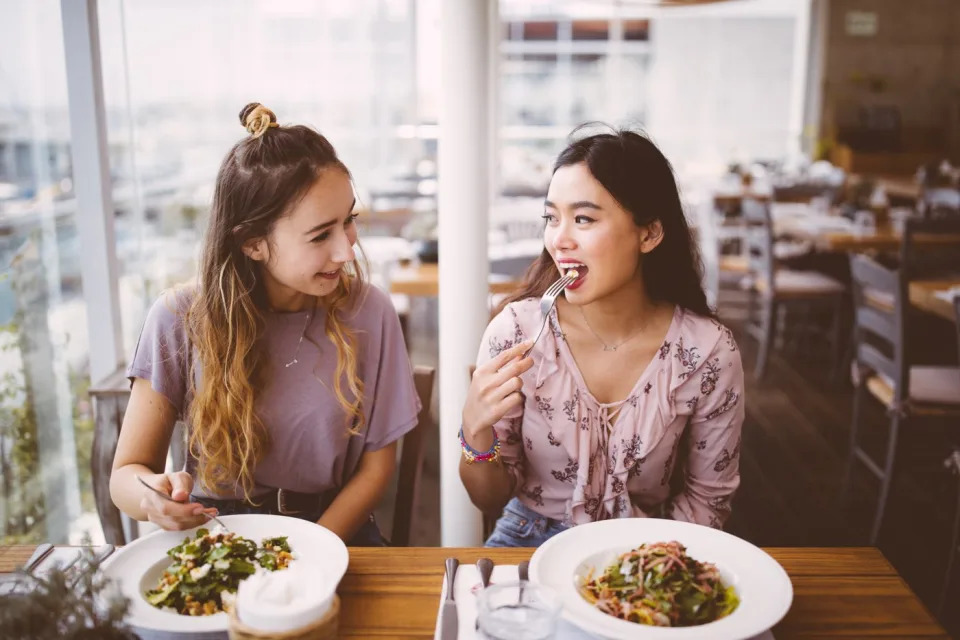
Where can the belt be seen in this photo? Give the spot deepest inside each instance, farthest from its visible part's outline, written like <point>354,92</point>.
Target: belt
<point>280,501</point>
<point>291,503</point>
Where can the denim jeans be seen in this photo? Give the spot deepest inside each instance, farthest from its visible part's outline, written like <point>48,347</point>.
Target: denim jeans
<point>367,536</point>
<point>521,526</point>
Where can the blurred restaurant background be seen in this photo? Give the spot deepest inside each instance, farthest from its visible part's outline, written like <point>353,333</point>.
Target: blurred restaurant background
<point>816,143</point>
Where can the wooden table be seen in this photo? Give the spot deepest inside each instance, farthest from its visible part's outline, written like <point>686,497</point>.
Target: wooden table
<point>923,296</point>
<point>838,592</point>
<point>880,240</point>
<point>424,280</point>
<point>899,188</point>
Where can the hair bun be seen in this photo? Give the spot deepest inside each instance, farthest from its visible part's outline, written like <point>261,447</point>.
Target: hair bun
<point>256,119</point>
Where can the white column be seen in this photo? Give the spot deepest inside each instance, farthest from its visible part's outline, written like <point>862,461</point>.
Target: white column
<point>798,77</point>
<point>813,100</point>
<point>91,179</point>
<point>463,150</point>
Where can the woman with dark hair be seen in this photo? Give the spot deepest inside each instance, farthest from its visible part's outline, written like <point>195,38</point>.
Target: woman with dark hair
<point>633,378</point>
<point>290,372</point>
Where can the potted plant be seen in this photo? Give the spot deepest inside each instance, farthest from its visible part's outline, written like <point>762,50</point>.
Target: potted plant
<point>77,603</point>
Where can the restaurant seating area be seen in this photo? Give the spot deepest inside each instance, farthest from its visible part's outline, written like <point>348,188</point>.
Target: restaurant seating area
<point>815,149</point>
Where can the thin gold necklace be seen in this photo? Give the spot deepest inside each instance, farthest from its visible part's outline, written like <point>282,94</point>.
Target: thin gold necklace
<point>609,347</point>
<point>303,333</point>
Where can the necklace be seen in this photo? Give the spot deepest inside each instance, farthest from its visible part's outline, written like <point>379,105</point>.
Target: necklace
<point>609,347</point>
<point>303,333</point>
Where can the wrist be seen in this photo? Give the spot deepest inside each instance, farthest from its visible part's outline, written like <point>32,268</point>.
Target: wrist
<point>472,453</point>
<point>480,437</point>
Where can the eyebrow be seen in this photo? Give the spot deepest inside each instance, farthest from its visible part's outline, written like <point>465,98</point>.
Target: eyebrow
<point>321,227</point>
<point>580,204</point>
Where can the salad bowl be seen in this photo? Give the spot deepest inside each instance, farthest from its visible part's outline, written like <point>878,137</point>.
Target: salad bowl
<point>136,568</point>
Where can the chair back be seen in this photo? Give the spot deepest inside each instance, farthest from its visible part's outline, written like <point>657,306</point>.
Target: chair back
<point>930,248</point>
<point>110,397</point>
<point>940,202</point>
<point>956,320</point>
<point>411,460</point>
<point>879,334</point>
<point>759,240</point>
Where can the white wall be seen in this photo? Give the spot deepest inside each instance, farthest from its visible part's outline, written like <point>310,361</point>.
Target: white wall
<point>720,87</point>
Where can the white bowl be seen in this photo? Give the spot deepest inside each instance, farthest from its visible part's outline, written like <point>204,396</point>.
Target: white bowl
<point>136,567</point>
<point>760,582</point>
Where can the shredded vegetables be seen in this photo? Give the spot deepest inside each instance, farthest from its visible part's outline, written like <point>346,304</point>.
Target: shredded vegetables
<point>208,569</point>
<point>659,584</point>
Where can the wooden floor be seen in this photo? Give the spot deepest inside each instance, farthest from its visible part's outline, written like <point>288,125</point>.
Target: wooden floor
<point>795,444</point>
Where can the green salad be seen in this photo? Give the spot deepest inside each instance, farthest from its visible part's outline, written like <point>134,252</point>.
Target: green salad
<point>659,584</point>
<point>207,570</point>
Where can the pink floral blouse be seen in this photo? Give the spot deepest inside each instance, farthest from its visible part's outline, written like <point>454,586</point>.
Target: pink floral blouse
<point>577,460</point>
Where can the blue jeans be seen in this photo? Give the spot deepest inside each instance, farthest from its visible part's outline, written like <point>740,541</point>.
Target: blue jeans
<point>367,536</point>
<point>521,526</point>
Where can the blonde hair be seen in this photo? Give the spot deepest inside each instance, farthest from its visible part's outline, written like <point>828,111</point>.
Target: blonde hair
<point>258,181</point>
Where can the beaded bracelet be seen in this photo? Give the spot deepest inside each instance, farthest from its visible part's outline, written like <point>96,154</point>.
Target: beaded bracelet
<point>472,455</point>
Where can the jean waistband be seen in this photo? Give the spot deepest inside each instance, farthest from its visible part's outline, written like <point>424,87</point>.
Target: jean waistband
<point>518,506</point>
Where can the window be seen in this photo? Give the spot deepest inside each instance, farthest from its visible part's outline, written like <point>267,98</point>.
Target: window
<point>46,425</point>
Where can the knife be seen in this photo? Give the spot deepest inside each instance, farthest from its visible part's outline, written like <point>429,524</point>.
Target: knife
<point>39,554</point>
<point>450,626</point>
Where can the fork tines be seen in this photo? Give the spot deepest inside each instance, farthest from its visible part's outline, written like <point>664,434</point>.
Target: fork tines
<point>560,285</point>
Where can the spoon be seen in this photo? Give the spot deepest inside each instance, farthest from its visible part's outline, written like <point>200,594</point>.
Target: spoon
<point>485,567</point>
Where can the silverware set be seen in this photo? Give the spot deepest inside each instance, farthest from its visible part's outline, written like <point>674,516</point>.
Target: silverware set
<point>34,568</point>
<point>449,628</point>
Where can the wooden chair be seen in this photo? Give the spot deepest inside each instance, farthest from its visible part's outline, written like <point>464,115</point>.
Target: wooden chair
<point>939,202</point>
<point>952,464</point>
<point>885,367</point>
<point>110,398</point>
<point>774,287</point>
<point>411,460</point>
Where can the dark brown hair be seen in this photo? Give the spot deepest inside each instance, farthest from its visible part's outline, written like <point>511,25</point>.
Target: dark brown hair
<point>634,171</point>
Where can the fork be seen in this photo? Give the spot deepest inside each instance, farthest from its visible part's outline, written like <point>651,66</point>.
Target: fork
<point>166,497</point>
<point>547,300</point>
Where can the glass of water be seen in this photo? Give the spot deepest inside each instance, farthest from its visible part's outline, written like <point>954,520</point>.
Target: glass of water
<point>518,610</point>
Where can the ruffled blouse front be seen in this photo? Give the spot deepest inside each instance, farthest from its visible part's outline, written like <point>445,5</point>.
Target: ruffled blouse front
<point>579,460</point>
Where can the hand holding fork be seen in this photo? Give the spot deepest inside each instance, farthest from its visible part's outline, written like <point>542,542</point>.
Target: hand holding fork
<point>495,388</point>
<point>170,509</point>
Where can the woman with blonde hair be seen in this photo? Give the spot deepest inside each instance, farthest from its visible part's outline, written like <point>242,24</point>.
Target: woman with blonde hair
<point>289,370</point>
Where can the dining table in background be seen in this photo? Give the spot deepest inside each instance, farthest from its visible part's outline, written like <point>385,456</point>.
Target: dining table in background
<point>829,232</point>
<point>844,592</point>
<point>424,280</point>
<point>928,295</point>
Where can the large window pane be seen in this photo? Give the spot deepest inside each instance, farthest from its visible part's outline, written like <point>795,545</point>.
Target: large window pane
<point>348,69</point>
<point>45,419</point>
<point>710,85</point>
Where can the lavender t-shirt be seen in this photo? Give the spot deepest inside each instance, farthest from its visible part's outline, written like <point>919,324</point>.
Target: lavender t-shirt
<point>310,449</point>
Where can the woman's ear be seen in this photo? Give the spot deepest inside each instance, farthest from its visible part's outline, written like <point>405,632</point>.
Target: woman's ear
<point>256,249</point>
<point>651,236</point>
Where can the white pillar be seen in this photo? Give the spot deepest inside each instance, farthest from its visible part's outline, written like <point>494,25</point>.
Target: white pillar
<point>798,77</point>
<point>91,179</point>
<point>817,56</point>
<point>463,150</point>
